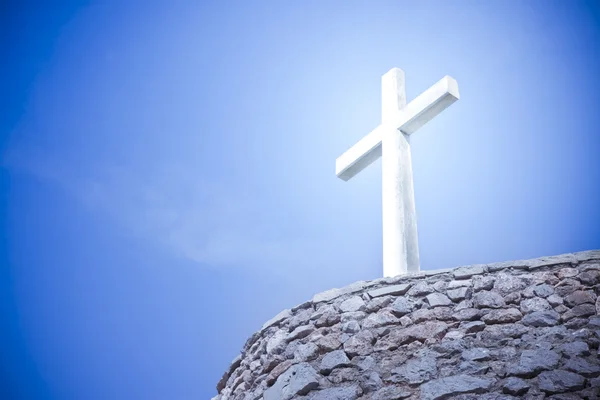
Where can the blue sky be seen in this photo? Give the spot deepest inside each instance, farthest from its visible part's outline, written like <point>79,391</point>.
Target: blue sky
<point>168,171</point>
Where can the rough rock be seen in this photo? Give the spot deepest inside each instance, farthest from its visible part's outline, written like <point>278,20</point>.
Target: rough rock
<point>353,316</point>
<point>473,368</point>
<point>476,354</point>
<point>350,327</point>
<point>300,332</point>
<point>582,366</point>
<point>360,344</point>
<point>541,318</point>
<point>338,393</point>
<point>438,299</point>
<point>454,385</point>
<point>382,318</point>
<point>483,283</point>
<point>276,319</point>
<point>426,314</point>
<point>449,347</point>
<point>575,349</point>
<point>278,370</point>
<point>465,283</point>
<point>581,310</point>
<point>328,343</point>
<point>590,278</point>
<point>559,381</point>
<point>397,290</point>
<point>378,303</point>
<point>487,299</point>
<point>534,304</point>
<point>402,306</point>
<point>502,316</point>
<point>299,379</point>
<point>415,371</point>
<point>473,326</point>
<point>567,286</point>
<point>420,289</point>
<point>335,359</point>
<point>467,314</point>
<point>301,318</point>
<point>370,381</point>
<point>544,290</point>
<point>335,293</point>
<point>533,362</point>
<point>580,297</point>
<point>460,293</point>
<point>328,318</point>
<point>506,283</point>
<point>584,256</point>
<point>567,273</point>
<point>515,386</point>
<point>555,300</point>
<point>390,393</point>
<point>493,333</point>
<point>463,304</point>
<point>430,329</point>
<point>469,271</point>
<point>275,344</point>
<point>306,352</point>
<point>354,303</point>
<point>513,298</point>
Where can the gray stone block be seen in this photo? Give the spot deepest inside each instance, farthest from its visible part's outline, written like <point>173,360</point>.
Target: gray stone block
<point>476,354</point>
<point>415,371</point>
<point>486,299</point>
<point>587,255</point>
<point>515,386</point>
<point>502,316</point>
<point>532,362</point>
<point>350,392</point>
<point>541,318</point>
<point>276,319</point>
<point>402,306</point>
<point>560,381</point>
<point>396,290</point>
<point>299,379</point>
<point>469,271</point>
<point>454,385</point>
<point>335,293</point>
<point>354,303</point>
<point>438,299</point>
<point>460,293</point>
<point>335,359</point>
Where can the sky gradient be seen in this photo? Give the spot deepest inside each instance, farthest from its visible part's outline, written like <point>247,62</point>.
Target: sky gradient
<point>168,184</point>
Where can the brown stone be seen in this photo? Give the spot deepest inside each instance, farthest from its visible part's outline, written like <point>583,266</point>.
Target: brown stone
<point>580,297</point>
<point>278,370</point>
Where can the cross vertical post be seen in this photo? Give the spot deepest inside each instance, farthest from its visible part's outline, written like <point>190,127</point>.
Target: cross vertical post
<point>400,240</point>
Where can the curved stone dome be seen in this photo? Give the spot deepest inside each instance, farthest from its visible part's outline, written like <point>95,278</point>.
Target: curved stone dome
<point>522,329</point>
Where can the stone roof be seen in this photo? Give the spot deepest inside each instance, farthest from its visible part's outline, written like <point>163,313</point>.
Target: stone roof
<point>500,329</point>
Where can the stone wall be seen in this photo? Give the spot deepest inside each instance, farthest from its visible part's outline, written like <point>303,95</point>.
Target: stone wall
<point>522,329</point>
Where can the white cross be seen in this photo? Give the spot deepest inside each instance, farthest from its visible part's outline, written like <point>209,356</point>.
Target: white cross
<point>391,141</point>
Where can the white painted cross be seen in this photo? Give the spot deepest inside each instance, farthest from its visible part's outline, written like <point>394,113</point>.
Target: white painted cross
<point>391,141</point>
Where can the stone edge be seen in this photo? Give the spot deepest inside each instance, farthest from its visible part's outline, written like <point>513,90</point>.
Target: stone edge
<point>464,272</point>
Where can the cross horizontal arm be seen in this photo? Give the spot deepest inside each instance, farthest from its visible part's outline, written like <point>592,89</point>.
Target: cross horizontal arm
<point>426,106</point>
<point>408,120</point>
<point>359,156</point>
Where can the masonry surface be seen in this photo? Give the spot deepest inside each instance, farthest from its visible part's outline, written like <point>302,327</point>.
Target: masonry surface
<point>526,329</point>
